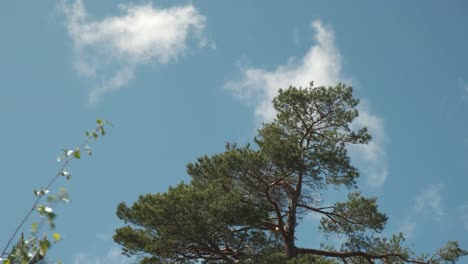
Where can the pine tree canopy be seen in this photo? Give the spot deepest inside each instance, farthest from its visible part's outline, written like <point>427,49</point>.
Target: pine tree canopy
<point>244,205</point>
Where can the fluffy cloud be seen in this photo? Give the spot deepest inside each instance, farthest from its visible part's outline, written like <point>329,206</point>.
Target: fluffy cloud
<point>371,158</point>
<point>109,50</point>
<point>321,64</point>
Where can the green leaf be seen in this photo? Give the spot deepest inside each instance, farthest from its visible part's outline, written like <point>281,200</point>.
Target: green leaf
<point>44,245</point>
<point>34,227</point>
<point>51,198</point>
<point>41,209</point>
<point>77,153</point>
<point>100,122</point>
<point>7,261</point>
<point>51,216</point>
<point>56,237</point>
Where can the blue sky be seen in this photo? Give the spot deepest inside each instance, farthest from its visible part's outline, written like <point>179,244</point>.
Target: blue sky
<point>178,79</point>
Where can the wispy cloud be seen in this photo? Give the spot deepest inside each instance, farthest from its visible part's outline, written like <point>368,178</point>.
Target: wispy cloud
<point>463,211</point>
<point>110,49</point>
<point>296,37</point>
<point>464,85</point>
<point>407,227</point>
<point>113,255</point>
<point>450,106</point>
<point>322,64</point>
<point>430,201</point>
<point>427,203</point>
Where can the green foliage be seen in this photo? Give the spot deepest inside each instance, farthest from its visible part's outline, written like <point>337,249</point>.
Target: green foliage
<point>33,249</point>
<point>244,204</point>
<point>190,223</point>
<point>354,217</point>
<point>450,253</point>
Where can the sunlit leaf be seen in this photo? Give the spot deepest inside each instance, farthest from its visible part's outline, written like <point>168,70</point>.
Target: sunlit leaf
<point>44,245</point>
<point>56,237</point>
<point>40,209</point>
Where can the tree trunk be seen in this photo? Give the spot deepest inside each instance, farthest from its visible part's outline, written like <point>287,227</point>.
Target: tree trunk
<point>292,220</point>
<point>290,247</point>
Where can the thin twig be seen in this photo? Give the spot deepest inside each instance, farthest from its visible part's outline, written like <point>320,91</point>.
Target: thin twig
<point>69,157</point>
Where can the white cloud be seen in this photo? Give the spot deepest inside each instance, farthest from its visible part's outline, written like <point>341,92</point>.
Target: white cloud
<point>463,211</point>
<point>113,255</point>
<point>430,201</point>
<point>371,158</point>
<point>111,48</point>
<point>321,64</point>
